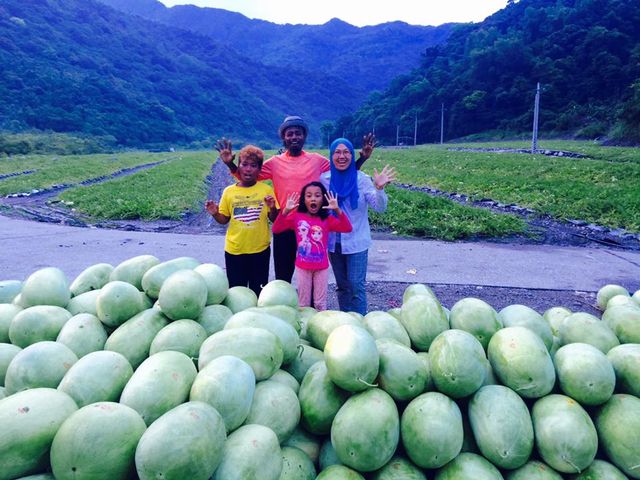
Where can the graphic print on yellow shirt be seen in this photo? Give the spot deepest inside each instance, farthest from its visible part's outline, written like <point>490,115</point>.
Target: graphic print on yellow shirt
<point>248,230</point>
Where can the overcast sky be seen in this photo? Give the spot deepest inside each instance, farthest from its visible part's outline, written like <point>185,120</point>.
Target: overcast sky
<point>356,12</point>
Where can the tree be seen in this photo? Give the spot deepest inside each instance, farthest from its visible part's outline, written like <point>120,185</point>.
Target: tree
<point>327,128</point>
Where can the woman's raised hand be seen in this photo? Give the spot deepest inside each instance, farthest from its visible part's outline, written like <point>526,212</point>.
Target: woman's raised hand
<point>386,176</point>
<point>223,146</point>
<point>333,202</point>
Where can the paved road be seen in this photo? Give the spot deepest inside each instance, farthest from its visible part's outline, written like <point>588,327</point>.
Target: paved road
<point>27,246</point>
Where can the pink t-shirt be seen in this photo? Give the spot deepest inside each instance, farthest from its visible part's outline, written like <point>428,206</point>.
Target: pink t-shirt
<point>289,174</point>
<point>312,236</point>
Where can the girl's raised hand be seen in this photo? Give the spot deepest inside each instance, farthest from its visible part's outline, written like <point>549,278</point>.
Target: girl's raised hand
<point>386,176</point>
<point>333,202</point>
<point>212,207</point>
<point>292,202</point>
<point>224,148</point>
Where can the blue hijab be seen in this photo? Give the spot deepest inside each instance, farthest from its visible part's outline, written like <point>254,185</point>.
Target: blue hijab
<point>344,183</point>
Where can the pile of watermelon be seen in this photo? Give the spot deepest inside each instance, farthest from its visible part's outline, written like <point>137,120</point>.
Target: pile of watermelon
<point>158,370</point>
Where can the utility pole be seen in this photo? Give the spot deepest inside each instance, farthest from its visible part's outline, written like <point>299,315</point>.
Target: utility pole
<point>415,132</point>
<point>536,110</point>
<point>442,124</point>
<point>397,135</point>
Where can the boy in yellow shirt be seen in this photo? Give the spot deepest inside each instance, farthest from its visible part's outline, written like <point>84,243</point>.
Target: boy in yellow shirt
<point>247,206</point>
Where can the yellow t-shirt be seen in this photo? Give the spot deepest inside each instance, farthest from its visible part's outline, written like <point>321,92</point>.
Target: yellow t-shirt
<point>248,230</point>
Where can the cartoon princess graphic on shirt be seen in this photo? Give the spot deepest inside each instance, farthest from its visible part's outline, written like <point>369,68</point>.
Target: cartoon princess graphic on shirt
<point>317,245</point>
<point>304,245</point>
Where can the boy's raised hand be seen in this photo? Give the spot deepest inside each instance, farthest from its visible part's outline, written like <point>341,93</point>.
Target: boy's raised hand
<point>212,207</point>
<point>333,202</point>
<point>386,176</point>
<point>270,201</point>
<point>224,148</point>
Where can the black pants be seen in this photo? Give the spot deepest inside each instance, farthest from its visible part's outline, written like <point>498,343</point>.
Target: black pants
<point>248,269</point>
<point>284,254</point>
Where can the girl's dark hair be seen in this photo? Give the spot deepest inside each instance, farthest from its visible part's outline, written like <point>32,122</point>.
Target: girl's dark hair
<point>302,208</point>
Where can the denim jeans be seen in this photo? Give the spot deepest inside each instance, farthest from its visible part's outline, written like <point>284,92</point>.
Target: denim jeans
<point>350,270</point>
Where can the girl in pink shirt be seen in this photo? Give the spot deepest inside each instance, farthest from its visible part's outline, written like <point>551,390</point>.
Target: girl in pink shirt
<point>307,214</point>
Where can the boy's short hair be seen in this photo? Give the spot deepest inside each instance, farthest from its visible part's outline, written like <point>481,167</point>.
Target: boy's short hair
<point>251,152</point>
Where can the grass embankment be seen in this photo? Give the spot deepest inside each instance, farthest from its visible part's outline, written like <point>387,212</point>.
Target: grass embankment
<point>602,189</point>
<point>50,170</point>
<point>165,191</point>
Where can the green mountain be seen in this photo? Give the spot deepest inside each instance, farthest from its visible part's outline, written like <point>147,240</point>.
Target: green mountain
<point>82,66</point>
<point>368,57</point>
<point>585,54</point>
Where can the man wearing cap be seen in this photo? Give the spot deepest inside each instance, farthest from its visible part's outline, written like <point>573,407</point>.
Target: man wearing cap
<point>289,172</point>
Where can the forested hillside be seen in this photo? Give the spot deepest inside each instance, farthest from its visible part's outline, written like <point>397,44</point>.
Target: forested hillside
<point>585,54</point>
<point>374,54</point>
<point>81,66</point>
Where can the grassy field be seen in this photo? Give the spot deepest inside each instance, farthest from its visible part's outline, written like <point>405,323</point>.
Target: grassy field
<point>603,189</point>
<point>50,170</point>
<point>165,191</point>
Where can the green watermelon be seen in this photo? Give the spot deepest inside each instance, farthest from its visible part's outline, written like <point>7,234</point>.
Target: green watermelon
<point>424,319</point>
<point>501,426</point>
<point>384,325</point>
<point>213,318</point>
<point>352,358</point>
<point>183,295</point>
<point>618,425</point>
<point>42,364</point>
<point>97,377</point>
<point>626,364</point>
<point>37,324</point>
<point>476,317</point>
<point>402,374</point>
<point>97,442</point>
<point>431,429</point>
<point>366,430</point>
<point>457,362</point>
<point>468,466</point>
<point>91,278</point>
<point>184,336</point>
<point>160,383</point>
<point>47,286</point>
<point>133,338</point>
<point>216,280</point>
<point>260,348</point>
<point>278,292</point>
<point>565,436</point>
<point>275,406</point>
<point>251,451</point>
<point>523,316</point>
<point>201,435</point>
<point>30,420</point>
<point>320,399</point>
<point>226,383</point>
<point>133,269</point>
<point>521,361</point>
<point>585,373</point>
<point>117,302</point>
<point>83,333</point>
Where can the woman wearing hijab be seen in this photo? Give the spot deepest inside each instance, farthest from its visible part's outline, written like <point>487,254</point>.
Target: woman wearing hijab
<point>356,192</point>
